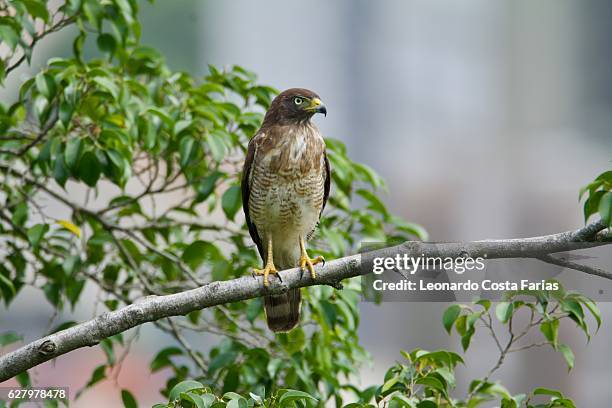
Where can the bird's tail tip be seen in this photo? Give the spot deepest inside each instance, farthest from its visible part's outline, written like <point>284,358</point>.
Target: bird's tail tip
<point>283,311</point>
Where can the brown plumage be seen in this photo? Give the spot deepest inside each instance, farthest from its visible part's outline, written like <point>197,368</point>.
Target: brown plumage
<point>285,185</point>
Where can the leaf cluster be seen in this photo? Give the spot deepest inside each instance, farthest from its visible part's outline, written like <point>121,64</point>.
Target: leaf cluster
<point>598,195</point>
<point>156,156</point>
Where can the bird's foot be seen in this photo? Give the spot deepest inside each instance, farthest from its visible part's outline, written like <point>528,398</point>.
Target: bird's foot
<point>308,262</point>
<point>269,269</point>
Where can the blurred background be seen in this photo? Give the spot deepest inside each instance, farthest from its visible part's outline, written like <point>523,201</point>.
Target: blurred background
<point>485,118</point>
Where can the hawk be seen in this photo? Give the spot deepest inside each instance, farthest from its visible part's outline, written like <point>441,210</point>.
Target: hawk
<point>285,185</point>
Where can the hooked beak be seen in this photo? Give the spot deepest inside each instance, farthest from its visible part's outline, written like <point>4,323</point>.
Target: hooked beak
<point>317,106</point>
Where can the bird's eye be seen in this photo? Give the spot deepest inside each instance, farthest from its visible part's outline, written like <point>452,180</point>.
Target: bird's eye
<point>297,100</point>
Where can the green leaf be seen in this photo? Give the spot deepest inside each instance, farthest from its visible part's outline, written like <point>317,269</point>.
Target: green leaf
<point>162,359</point>
<point>41,108</point>
<point>593,309</point>
<point>568,354</point>
<point>257,399</point>
<point>369,175</point>
<point>120,170</point>
<point>573,308</point>
<point>184,386</point>
<point>147,132</point>
<point>440,358</point>
<point>374,202</point>
<point>208,399</point>
<point>9,36</point>
<point>36,233</point>
<point>461,325</point>
<point>77,45</point>
<point>447,374</point>
<point>72,152</point>
<point>45,85</point>
<point>550,329</point>
<point>108,85</point>
<point>427,404</point>
<point>181,125</point>
<point>74,287</point>
<point>23,379</point>
<point>216,145</point>
<point>37,8</point>
<point>232,396</point>
<point>44,156</point>
<point>606,176</point>
<point>485,303</point>
<point>432,382</point>
<point>20,214</point>
<point>98,375</point>
<point>255,306</point>
<point>450,316</point>
<point>409,227</point>
<point>199,251</point>
<point>231,201</point>
<point>221,360</point>
<point>238,403</point>
<point>185,150</point>
<point>107,43</point>
<point>107,346</point>
<point>547,391</point>
<point>503,311</point>
<point>389,384</point>
<point>89,169</point>
<point>591,205</point>
<point>52,292</point>
<point>207,186</point>
<point>195,399</point>
<point>466,339</point>
<point>7,288</point>
<point>65,113</point>
<point>329,313</point>
<point>605,208</point>
<point>472,318</point>
<point>60,172</point>
<point>7,338</point>
<point>295,395</point>
<point>163,116</point>
<point>128,399</point>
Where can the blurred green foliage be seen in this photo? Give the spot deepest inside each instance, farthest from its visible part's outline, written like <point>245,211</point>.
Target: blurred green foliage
<point>426,379</point>
<point>598,195</point>
<point>155,156</point>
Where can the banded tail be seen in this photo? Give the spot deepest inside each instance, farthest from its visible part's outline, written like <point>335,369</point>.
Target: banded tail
<point>283,311</point>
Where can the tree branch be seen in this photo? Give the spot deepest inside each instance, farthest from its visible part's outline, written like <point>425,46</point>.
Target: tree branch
<point>591,270</point>
<point>153,308</point>
<point>54,28</point>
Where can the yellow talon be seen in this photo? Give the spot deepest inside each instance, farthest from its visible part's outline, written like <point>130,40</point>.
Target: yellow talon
<point>267,270</point>
<point>310,263</point>
<point>306,261</point>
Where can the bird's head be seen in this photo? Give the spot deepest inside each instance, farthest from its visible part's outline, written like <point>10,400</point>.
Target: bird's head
<point>295,105</point>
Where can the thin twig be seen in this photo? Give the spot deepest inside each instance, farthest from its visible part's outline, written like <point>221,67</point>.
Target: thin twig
<point>591,270</point>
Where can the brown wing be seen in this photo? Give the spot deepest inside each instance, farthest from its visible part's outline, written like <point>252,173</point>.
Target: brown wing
<point>327,185</point>
<point>246,193</point>
<point>326,188</point>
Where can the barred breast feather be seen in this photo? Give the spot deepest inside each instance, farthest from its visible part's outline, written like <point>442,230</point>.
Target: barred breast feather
<point>285,188</point>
